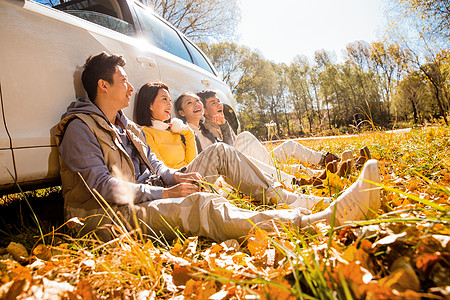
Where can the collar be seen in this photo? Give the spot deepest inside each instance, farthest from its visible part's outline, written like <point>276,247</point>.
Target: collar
<point>194,127</point>
<point>156,124</point>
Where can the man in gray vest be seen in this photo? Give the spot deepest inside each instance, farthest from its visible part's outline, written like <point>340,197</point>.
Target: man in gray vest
<point>101,149</point>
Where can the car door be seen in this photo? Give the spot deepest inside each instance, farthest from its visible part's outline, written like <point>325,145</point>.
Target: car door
<point>43,51</point>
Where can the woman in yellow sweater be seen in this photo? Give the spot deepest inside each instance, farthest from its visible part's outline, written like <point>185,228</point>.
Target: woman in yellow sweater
<point>173,143</point>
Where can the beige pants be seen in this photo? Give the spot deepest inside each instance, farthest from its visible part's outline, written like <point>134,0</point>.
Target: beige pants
<point>211,215</point>
<point>270,162</point>
<point>249,145</point>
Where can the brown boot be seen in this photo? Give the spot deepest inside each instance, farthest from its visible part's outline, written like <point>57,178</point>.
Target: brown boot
<point>331,167</point>
<point>365,156</point>
<point>364,151</point>
<point>329,157</point>
<point>345,168</point>
<point>314,181</point>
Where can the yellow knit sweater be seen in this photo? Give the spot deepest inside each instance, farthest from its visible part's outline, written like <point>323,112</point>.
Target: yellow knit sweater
<point>169,148</point>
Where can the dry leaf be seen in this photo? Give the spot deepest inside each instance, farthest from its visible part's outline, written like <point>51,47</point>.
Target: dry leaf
<point>74,222</point>
<point>181,274</point>
<point>42,252</point>
<point>18,252</point>
<point>16,289</point>
<point>84,290</point>
<point>402,277</point>
<point>258,243</point>
<point>199,290</point>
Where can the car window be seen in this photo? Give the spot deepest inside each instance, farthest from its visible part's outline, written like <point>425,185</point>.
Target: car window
<point>104,20</point>
<point>161,35</point>
<point>198,58</point>
<point>106,13</point>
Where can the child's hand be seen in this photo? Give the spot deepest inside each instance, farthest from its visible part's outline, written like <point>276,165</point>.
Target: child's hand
<point>219,119</point>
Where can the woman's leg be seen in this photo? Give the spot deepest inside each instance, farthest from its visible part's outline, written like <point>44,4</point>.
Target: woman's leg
<point>281,176</point>
<point>291,149</point>
<point>240,172</point>
<point>212,216</point>
<point>249,145</point>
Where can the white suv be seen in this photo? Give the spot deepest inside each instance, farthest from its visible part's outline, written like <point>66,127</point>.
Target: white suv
<point>42,52</point>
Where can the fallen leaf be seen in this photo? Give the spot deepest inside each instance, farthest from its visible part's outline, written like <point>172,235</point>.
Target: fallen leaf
<point>16,289</point>
<point>402,277</point>
<point>84,290</point>
<point>258,243</point>
<point>181,274</point>
<point>18,252</point>
<point>74,222</point>
<point>42,252</point>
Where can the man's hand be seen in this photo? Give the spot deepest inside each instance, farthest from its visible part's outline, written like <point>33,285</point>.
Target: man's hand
<point>180,190</point>
<point>219,119</point>
<point>187,177</point>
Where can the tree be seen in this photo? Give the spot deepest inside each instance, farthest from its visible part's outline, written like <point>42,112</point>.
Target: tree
<point>200,19</point>
<point>301,91</point>
<point>412,94</point>
<point>229,60</point>
<point>434,13</point>
<point>388,62</point>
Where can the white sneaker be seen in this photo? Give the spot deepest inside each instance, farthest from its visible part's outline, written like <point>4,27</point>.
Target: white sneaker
<point>362,199</point>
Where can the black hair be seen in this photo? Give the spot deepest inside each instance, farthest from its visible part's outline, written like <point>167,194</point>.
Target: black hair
<point>145,97</point>
<point>101,66</point>
<point>205,94</point>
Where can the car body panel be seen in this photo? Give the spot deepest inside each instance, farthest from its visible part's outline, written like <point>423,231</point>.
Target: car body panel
<point>43,51</point>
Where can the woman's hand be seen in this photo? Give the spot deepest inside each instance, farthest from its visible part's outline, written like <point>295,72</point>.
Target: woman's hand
<point>180,190</point>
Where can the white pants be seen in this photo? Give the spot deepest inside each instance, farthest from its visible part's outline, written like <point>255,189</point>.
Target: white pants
<point>249,145</point>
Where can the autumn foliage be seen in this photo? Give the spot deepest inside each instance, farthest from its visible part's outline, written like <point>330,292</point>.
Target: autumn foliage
<point>404,253</point>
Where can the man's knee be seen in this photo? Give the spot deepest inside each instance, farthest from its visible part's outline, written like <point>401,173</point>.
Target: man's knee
<point>218,149</point>
<point>245,136</point>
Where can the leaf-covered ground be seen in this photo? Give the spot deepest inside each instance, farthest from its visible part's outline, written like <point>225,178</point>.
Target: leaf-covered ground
<point>402,254</point>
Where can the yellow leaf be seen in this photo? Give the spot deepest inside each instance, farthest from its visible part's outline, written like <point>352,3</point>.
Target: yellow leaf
<point>375,156</point>
<point>258,243</point>
<point>350,254</point>
<point>199,290</point>
<point>215,248</point>
<point>238,258</point>
<point>334,181</point>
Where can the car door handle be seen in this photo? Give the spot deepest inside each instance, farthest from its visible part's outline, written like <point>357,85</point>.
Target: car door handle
<point>146,61</point>
<point>206,82</point>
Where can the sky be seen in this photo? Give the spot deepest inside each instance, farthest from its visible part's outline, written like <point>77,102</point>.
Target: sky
<point>282,29</point>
